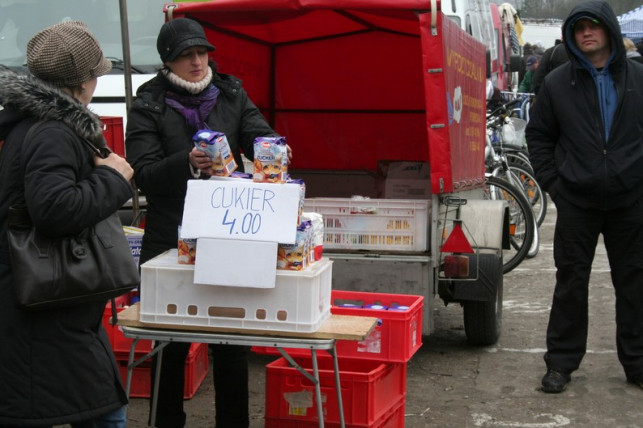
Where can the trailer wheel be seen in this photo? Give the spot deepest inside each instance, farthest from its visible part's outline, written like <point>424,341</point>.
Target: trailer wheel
<point>483,319</point>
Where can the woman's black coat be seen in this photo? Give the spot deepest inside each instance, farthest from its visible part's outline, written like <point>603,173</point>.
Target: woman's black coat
<point>56,366</point>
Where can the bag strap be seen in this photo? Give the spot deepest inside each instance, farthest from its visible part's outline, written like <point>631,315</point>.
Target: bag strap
<point>550,64</point>
<point>114,312</point>
<point>101,152</point>
<point>32,129</point>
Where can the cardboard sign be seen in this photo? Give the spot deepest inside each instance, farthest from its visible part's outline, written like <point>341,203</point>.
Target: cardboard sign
<point>233,208</point>
<point>226,262</point>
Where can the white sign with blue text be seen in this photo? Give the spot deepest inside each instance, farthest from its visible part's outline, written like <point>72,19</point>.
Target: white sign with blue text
<point>234,208</point>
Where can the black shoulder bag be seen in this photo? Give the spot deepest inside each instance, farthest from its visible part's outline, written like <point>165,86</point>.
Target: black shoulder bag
<point>93,266</point>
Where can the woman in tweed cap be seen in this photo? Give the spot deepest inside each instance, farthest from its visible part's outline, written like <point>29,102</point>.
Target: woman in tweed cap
<point>56,365</point>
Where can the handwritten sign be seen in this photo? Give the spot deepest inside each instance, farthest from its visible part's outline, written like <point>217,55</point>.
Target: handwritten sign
<point>229,208</point>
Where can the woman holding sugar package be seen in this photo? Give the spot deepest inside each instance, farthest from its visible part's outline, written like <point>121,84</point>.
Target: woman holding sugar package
<point>187,95</point>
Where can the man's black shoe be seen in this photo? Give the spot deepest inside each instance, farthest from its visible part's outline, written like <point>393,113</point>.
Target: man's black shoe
<point>554,382</point>
<point>636,380</point>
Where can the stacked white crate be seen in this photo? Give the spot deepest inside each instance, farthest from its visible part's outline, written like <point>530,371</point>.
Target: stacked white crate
<point>299,300</point>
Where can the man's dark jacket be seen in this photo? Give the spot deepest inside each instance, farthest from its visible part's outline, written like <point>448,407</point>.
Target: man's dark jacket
<point>565,134</point>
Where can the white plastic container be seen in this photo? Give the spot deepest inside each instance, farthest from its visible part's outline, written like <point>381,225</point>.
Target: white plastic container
<point>373,224</point>
<point>299,302</point>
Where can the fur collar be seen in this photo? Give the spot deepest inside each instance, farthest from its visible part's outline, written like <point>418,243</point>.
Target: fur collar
<point>35,97</point>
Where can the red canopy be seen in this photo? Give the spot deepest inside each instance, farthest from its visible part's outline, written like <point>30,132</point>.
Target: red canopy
<point>350,82</point>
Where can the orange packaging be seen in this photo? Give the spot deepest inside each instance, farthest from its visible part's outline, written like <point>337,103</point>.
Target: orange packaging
<point>216,146</point>
<point>187,250</point>
<point>271,160</point>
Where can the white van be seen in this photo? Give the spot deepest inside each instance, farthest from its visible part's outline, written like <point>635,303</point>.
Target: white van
<point>473,16</point>
<point>21,19</point>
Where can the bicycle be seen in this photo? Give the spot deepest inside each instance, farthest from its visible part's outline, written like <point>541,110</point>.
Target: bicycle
<point>506,183</point>
<point>514,157</point>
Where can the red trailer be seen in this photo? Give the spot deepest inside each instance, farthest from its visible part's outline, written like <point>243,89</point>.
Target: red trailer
<point>355,85</point>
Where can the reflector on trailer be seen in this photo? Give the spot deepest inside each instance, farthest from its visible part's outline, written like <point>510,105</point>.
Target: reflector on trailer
<point>457,242</point>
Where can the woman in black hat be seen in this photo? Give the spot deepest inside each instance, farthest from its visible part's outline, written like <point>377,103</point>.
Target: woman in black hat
<point>188,94</point>
<point>56,365</point>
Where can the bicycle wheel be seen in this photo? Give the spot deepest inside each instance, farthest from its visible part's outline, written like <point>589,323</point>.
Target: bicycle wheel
<point>533,191</point>
<point>515,157</point>
<point>521,221</point>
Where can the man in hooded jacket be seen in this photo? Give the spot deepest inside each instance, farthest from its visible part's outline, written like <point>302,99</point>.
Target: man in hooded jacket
<point>586,147</point>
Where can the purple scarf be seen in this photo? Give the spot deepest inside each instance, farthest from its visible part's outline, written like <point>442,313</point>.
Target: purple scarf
<point>195,108</point>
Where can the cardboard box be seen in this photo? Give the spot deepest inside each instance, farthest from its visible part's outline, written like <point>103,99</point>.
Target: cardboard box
<point>405,179</point>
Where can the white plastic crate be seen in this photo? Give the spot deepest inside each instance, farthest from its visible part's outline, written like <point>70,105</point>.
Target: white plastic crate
<point>300,300</point>
<point>373,224</point>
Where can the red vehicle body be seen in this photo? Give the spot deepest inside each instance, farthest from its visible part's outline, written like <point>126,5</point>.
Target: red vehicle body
<point>350,83</point>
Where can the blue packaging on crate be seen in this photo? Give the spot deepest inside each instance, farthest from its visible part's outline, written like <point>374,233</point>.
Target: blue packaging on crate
<point>377,307</point>
<point>134,237</point>
<point>399,308</point>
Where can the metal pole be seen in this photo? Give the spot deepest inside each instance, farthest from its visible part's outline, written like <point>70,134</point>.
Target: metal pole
<point>127,63</point>
<point>127,75</point>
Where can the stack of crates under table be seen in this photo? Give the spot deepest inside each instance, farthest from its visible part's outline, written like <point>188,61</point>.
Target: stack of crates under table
<point>372,371</point>
<point>196,364</point>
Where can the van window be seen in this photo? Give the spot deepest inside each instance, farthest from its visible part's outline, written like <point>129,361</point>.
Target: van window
<point>21,19</point>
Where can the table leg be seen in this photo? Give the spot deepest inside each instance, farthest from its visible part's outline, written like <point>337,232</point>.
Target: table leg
<point>157,378</point>
<point>340,404</point>
<point>130,367</point>
<point>320,410</point>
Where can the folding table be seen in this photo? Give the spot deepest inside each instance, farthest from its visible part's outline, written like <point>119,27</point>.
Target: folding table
<point>337,327</point>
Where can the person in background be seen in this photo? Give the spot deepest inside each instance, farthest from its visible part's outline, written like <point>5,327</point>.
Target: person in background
<point>527,50</point>
<point>526,82</point>
<point>585,145</point>
<point>188,94</point>
<point>552,58</point>
<point>539,48</point>
<point>639,47</point>
<point>57,366</point>
<point>630,50</point>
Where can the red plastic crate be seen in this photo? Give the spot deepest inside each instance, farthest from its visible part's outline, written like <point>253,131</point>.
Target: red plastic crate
<point>114,134</point>
<point>197,365</point>
<point>370,390</point>
<point>397,336</point>
<point>394,418</point>
<point>120,344</point>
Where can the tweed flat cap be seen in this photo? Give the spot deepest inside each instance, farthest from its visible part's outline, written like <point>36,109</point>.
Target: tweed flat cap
<point>66,54</point>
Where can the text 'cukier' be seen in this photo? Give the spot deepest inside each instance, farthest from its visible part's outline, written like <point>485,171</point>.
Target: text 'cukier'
<point>252,199</point>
